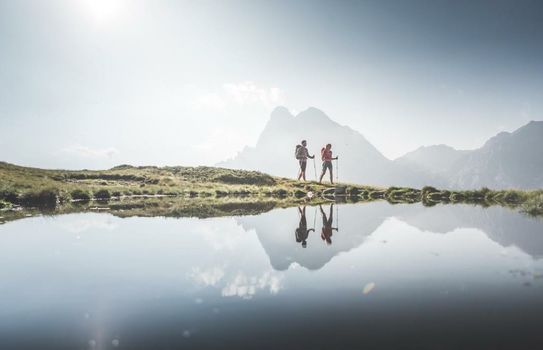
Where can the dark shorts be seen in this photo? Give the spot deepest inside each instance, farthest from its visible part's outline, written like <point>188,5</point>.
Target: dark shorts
<point>303,164</point>
<point>326,165</point>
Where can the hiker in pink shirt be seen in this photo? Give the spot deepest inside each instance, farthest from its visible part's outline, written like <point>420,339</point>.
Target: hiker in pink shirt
<point>326,156</point>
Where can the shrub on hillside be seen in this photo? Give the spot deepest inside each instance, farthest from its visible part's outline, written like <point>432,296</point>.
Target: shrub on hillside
<point>102,194</point>
<point>80,195</point>
<point>44,198</point>
<point>245,178</point>
<point>9,195</point>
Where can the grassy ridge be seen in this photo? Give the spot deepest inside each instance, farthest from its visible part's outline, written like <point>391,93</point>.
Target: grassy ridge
<point>32,187</point>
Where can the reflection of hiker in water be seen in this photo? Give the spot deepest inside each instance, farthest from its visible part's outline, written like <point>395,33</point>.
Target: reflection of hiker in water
<point>302,232</point>
<point>327,222</point>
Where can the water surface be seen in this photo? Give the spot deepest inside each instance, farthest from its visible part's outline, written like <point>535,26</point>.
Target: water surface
<point>370,275</point>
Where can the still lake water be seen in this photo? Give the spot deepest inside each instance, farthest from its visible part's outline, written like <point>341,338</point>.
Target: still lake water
<point>390,276</point>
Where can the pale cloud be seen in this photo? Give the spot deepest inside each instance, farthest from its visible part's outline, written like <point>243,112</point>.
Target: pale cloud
<point>211,101</point>
<point>87,152</point>
<point>81,225</point>
<point>218,240</point>
<point>208,277</point>
<point>241,94</point>
<point>223,143</point>
<point>217,138</point>
<point>247,286</point>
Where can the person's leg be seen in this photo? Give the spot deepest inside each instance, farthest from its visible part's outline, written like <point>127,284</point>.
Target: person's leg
<point>331,216</point>
<point>300,173</point>
<point>324,219</point>
<point>322,214</point>
<point>323,172</point>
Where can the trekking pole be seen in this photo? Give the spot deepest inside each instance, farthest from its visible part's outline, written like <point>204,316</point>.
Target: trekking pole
<point>337,217</point>
<point>314,217</point>
<point>315,168</point>
<point>337,170</point>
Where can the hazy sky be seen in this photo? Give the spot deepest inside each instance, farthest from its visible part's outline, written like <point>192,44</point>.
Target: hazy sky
<point>95,83</point>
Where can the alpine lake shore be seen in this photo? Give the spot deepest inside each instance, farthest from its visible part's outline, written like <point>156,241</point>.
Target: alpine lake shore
<point>202,192</point>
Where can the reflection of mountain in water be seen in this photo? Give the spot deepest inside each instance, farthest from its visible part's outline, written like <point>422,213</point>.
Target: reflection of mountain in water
<point>276,229</point>
<point>502,225</point>
<point>276,232</point>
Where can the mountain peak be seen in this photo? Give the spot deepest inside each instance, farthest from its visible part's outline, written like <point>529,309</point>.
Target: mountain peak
<point>314,115</point>
<point>532,129</point>
<point>499,137</point>
<point>440,147</point>
<point>506,160</point>
<point>312,110</point>
<point>279,118</point>
<point>280,112</point>
<point>532,125</point>
<point>434,158</point>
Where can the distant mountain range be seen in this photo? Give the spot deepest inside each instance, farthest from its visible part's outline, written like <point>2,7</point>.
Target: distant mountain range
<point>507,160</point>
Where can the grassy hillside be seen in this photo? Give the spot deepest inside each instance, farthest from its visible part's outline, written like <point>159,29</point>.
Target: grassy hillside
<point>23,187</point>
<point>31,186</point>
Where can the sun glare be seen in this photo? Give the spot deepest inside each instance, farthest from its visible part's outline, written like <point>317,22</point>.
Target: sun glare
<point>103,10</point>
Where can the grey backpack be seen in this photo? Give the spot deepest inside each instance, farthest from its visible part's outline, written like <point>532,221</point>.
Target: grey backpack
<point>298,152</point>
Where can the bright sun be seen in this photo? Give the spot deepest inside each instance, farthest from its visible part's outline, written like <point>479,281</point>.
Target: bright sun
<point>103,10</point>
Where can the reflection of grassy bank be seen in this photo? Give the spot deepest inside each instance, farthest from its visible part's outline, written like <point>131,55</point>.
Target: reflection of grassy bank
<point>207,191</point>
<point>530,202</point>
<point>175,207</point>
<point>534,205</point>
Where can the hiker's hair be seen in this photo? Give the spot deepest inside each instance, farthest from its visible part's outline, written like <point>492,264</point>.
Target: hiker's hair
<point>303,141</point>
<point>328,145</point>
